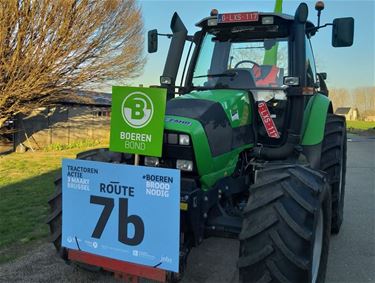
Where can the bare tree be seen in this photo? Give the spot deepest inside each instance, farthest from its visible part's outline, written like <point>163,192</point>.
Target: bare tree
<point>340,97</point>
<point>364,98</point>
<point>50,46</point>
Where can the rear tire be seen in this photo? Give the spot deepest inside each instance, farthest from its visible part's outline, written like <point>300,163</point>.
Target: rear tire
<point>333,162</point>
<point>54,220</point>
<point>281,227</point>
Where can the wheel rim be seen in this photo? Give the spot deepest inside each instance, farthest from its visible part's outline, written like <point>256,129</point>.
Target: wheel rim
<point>318,246</point>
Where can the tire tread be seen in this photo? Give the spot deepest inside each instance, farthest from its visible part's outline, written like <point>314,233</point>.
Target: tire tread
<point>277,232</point>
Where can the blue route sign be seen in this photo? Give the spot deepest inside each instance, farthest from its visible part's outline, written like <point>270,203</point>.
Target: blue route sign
<point>129,213</point>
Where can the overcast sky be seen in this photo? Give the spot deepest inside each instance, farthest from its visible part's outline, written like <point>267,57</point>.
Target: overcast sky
<point>346,67</point>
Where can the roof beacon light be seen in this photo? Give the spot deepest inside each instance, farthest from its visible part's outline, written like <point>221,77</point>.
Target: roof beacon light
<point>214,12</point>
<point>319,6</point>
<point>267,20</point>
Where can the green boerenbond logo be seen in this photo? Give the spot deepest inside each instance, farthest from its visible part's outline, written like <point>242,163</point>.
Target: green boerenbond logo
<point>137,120</point>
<point>137,110</point>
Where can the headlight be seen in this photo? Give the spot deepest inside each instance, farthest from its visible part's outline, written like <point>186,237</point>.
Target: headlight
<point>267,20</point>
<point>184,140</point>
<point>172,138</point>
<point>184,165</point>
<point>151,161</point>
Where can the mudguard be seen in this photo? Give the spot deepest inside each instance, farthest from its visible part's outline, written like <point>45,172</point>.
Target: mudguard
<point>315,119</point>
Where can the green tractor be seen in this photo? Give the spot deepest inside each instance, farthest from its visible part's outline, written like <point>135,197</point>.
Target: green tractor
<point>252,129</point>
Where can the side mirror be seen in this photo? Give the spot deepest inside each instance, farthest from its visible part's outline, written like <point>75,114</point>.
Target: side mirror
<point>342,32</point>
<point>322,76</point>
<point>153,41</point>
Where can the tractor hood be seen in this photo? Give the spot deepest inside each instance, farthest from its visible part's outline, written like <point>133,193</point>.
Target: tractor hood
<point>223,116</point>
<point>219,106</point>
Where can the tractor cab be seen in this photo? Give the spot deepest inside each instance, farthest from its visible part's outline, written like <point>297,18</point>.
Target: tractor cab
<point>248,51</point>
<point>238,51</point>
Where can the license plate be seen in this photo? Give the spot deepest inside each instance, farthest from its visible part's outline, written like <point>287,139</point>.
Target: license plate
<point>238,17</point>
<point>268,123</point>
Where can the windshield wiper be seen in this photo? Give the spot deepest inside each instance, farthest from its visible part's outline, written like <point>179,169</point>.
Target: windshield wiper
<point>229,74</point>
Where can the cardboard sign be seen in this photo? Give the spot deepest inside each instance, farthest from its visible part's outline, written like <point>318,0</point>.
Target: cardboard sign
<point>137,120</point>
<point>129,213</point>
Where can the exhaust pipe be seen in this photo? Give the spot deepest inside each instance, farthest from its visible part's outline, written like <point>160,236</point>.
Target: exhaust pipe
<point>176,48</point>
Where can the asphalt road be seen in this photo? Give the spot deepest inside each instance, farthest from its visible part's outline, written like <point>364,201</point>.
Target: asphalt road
<point>351,257</point>
<point>352,252</point>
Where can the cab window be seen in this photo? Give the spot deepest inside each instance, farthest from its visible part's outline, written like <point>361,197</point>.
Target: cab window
<point>310,65</point>
<point>241,63</point>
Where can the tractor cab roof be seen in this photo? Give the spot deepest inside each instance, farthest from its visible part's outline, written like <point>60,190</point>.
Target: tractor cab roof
<point>258,23</point>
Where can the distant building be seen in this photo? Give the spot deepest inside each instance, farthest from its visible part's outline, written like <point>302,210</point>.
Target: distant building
<point>66,122</point>
<point>350,113</point>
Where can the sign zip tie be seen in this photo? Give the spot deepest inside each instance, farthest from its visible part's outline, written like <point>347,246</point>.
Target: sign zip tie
<point>75,237</point>
<point>157,265</point>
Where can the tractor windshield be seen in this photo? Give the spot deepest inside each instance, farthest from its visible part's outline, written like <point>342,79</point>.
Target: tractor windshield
<point>241,64</point>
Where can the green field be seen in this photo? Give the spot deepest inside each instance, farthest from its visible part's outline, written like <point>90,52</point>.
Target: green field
<point>26,183</point>
<point>360,125</point>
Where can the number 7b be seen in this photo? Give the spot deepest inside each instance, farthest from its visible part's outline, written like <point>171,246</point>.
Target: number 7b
<point>123,221</point>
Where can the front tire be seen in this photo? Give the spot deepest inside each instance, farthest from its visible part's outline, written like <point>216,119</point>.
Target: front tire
<point>286,228</point>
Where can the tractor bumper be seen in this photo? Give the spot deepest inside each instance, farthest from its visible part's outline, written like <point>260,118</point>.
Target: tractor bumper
<point>121,269</point>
